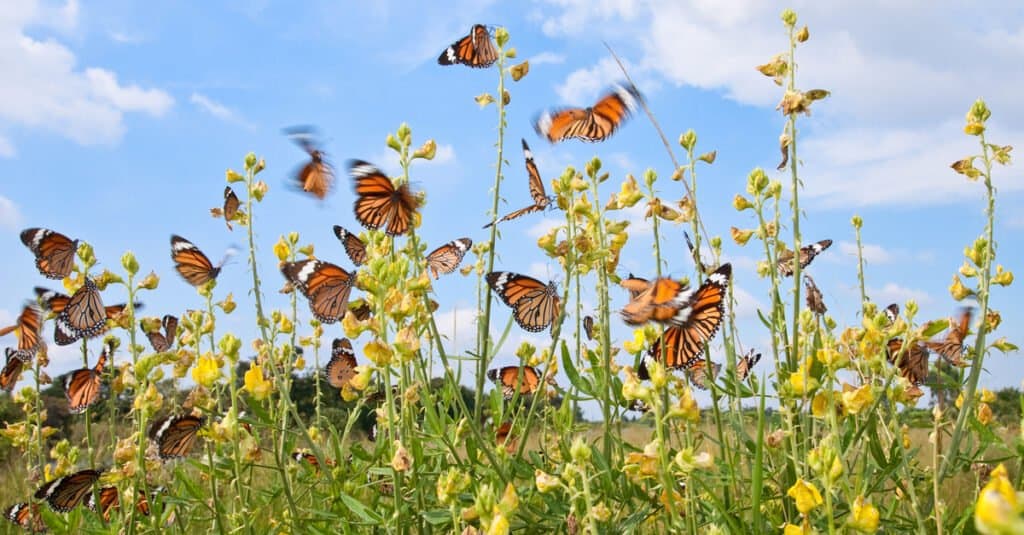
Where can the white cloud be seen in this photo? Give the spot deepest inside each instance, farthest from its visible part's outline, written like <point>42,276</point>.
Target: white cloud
<point>542,226</point>
<point>45,89</point>
<point>125,38</point>
<point>388,160</point>
<point>10,216</point>
<point>457,327</point>
<point>547,58</point>
<point>747,304</point>
<point>584,85</point>
<point>578,15</point>
<point>873,254</point>
<point>212,107</point>
<point>6,148</point>
<point>894,293</point>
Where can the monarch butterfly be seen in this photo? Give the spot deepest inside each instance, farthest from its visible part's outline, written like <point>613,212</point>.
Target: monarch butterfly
<point>82,387</point>
<point>317,176</point>
<point>807,253</point>
<point>912,362</point>
<point>55,252</point>
<point>83,315</point>
<point>325,285</point>
<point>701,371</point>
<point>164,341</point>
<point>300,456</point>
<point>508,378</point>
<point>379,203</point>
<point>192,264</point>
<point>535,306</point>
<point>540,197</point>
<point>175,435</point>
<point>354,247</point>
<point>29,324</point>
<point>475,50</point>
<point>110,499</point>
<point>591,124</point>
<point>231,203</point>
<point>27,516</point>
<point>815,301</point>
<point>952,347</point>
<point>634,285</point>
<point>65,493</point>
<point>667,301</point>
<point>447,257</point>
<point>342,366</point>
<point>745,364</point>
<point>12,369</point>
<point>56,302</point>
<point>588,327</point>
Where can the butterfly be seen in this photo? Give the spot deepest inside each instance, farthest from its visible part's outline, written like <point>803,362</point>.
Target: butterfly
<point>83,315</point>
<point>892,312</point>
<point>325,285</point>
<point>503,437</point>
<point>807,253</point>
<point>342,366</point>
<point>317,176</point>
<point>231,203</point>
<point>508,378</point>
<point>952,347</point>
<point>588,327</point>
<point>56,302</point>
<point>535,306</point>
<point>912,362</point>
<point>540,198</point>
<point>354,247</point>
<point>300,456</point>
<point>11,372</point>
<point>360,309</point>
<point>55,252</point>
<point>668,301</point>
<point>192,264</point>
<point>634,285</point>
<point>65,493</point>
<point>815,301</point>
<point>379,203</point>
<point>175,435</point>
<point>697,260</point>
<point>447,257</point>
<point>27,516</point>
<point>475,50</point>
<point>82,387</point>
<point>29,325</point>
<point>745,364</point>
<point>701,371</point>
<point>591,124</point>
<point>164,341</point>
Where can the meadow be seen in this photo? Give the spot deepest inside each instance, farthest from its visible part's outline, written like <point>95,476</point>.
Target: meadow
<point>341,424</point>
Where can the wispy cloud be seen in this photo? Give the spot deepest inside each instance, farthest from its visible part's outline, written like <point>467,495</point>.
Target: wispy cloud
<point>10,216</point>
<point>6,148</point>
<point>873,254</point>
<point>547,58</point>
<point>212,107</point>
<point>125,38</point>
<point>894,293</point>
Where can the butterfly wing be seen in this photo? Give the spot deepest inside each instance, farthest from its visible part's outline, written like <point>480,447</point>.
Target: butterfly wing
<point>175,435</point>
<point>912,363</point>
<point>325,285</point>
<point>29,326</point>
<point>342,366</point>
<point>807,254</point>
<point>27,516</point>
<point>588,327</point>
<point>745,364</point>
<point>191,263</point>
<point>475,50</point>
<point>591,124</point>
<point>231,204</point>
<point>109,500</point>
<point>65,493</point>
<point>378,203</point>
<point>815,301</point>
<point>12,370</point>
<point>536,183</point>
<point>354,247</point>
<point>83,317</point>
<point>55,252</point>
<point>534,304</point>
<point>509,377</point>
<point>701,372</point>
<point>447,257</point>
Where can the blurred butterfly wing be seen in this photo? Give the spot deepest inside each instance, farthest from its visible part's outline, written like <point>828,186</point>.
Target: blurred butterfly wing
<point>29,327</point>
<point>912,363</point>
<point>191,263</point>
<point>701,372</point>
<point>231,204</point>
<point>534,304</point>
<point>634,285</point>
<point>51,300</point>
<point>317,176</point>
<point>27,516</point>
<point>517,214</point>
<point>342,366</point>
<point>64,494</point>
<point>158,341</point>
<point>82,389</point>
<point>170,325</point>
<point>11,372</point>
<point>951,348</point>
<point>815,301</point>
<point>807,254</point>
<point>54,252</point>
<point>892,312</point>
<point>508,378</point>
<point>447,257</point>
<point>591,124</point>
<point>378,203</point>
<point>540,197</point>
<point>354,247</point>
<point>175,435</point>
<point>745,364</point>
<point>109,500</point>
<point>475,50</point>
<point>83,317</point>
<point>360,311</point>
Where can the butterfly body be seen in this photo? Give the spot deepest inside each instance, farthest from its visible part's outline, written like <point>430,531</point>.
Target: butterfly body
<point>509,377</point>
<point>231,204</point>
<point>315,177</point>
<point>191,263</point>
<point>540,198</point>
<point>83,316</point>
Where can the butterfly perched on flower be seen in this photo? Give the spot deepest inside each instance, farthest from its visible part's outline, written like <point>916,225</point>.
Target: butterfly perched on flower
<point>951,347</point>
<point>83,315</point>
<point>342,367</point>
<point>503,437</point>
<point>316,177</point>
<point>325,285</point>
<point>668,301</point>
<point>807,253</point>
<point>175,435</point>
<point>29,325</point>
<point>536,184</point>
<point>110,500</point>
<point>82,386</point>
<point>535,305</point>
<point>526,378</point>
<point>26,516</point>
<point>354,247</point>
<point>815,301</point>
<point>596,123</point>
<point>55,252</point>
<point>65,493</point>
<point>475,50</point>
<point>192,264</point>
<point>447,257</point>
<point>231,204</point>
<point>57,302</point>
<point>379,203</point>
<point>164,341</point>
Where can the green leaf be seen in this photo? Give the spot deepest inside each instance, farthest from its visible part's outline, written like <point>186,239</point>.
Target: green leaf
<point>359,509</point>
<point>934,327</point>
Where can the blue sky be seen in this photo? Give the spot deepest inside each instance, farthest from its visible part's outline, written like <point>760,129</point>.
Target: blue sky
<point>117,122</point>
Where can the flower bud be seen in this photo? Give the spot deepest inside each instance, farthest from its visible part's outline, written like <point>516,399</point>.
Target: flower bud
<point>519,71</point>
<point>129,263</point>
<point>427,151</point>
<point>232,176</point>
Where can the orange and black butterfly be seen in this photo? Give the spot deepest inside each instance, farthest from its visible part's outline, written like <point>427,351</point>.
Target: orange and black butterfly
<point>379,203</point>
<point>745,364</point>
<point>596,123</point>
<point>27,516</point>
<point>475,50</point>
<point>503,437</point>
<point>447,257</point>
<point>701,372</point>
<point>231,204</point>
<point>951,348</point>
<point>175,435</point>
<point>55,252</point>
<point>65,493</point>
<point>110,500</point>
<point>192,264</point>
<point>535,305</point>
<point>540,197</point>
<point>83,315</point>
<point>317,176</point>
<point>16,360</point>
<point>509,377</point>
<point>82,387</point>
<point>807,253</point>
<point>56,302</point>
<point>325,285</point>
<point>342,366</point>
<point>29,325</point>
<point>912,362</point>
<point>360,309</point>
<point>588,327</point>
<point>668,301</point>
<point>815,301</point>
<point>354,247</point>
<point>300,456</point>
<point>634,285</point>
<point>164,341</point>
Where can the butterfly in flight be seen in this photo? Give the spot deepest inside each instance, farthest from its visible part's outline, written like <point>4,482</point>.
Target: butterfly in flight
<point>65,493</point>
<point>668,301</point>
<point>317,176</point>
<point>447,257</point>
<point>540,199</point>
<point>231,204</point>
<point>164,341</point>
<point>55,252</point>
<point>192,264</point>
<point>26,516</point>
<point>355,248</point>
<point>535,305</point>
<point>379,203</point>
<point>325,285</point>
<point>701,371</point>
<point>29,325</point>
<point>815,301</point>
<point>83,315</point>
<point>951,347</point>
<point>475,50</point>
<point>175,435</point>
<point>300,456</point>
<point>342,367</point>
<point>11,372</point>
<point>745,364</point>
<point>807,253</point>
<point>508,378</point>
<point>596,123</point>
<point>634,285</point>
<point>56,302</point>
<point>913,361</point>
<point>82,387</point>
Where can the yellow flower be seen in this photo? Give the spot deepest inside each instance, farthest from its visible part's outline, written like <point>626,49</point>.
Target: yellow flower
<point>281,249</point>
<point>806,495</point>
<point>819,405</point>
<point>378,352</point>
<point>546,482</point>
<point>863,516</point>
<point>801,382</point>
<point>985,414</point>
<point>635,345</point>
<point>958,290</point>
<point>987,396</point>
<point>402,461</point>
<point>499,525</point>
<point>856,400</point>
<point>207,371</point>
<point>686,408</point>
<point>997,510</point>
<point>793,529</point>
<point>256,384</point>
